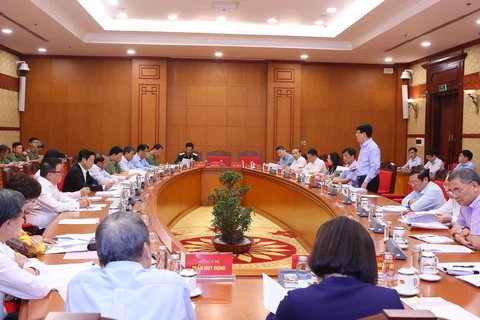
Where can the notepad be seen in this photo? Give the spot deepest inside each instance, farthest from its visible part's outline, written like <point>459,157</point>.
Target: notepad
<point>445,248</point>
<point>421,217</point>
<point>83,255</point>
<point>423,225</point>
<point>439,307</point>
<point>59,275</point>
<point>432,238</point>
<point>472,279</point>
<point>459,268</point>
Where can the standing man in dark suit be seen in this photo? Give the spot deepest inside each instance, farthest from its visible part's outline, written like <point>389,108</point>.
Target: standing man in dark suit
<point>78,176</point>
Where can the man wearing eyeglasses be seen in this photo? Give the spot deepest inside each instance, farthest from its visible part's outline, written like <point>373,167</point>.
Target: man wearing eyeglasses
<point>464,186</point>
<point>426,195</point>
<point>51,201</point>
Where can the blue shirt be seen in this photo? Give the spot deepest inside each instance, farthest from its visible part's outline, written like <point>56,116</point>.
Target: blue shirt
<point>141,163</point>
<point>288,160</point>
<point>352,175</point>
<point>126,165</point>
<point>417,161</point>
<point>368,160</point>
<point>430,198</point>
<point>126,290</point>
<point>468,165</point>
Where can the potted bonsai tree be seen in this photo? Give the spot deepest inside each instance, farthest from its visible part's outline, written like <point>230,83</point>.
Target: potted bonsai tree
<point>229,217</point>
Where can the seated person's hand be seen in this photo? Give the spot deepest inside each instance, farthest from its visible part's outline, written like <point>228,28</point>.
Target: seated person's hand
<point>108,185</point>
<point>13,164</point>
<point>83,202</point>
<point>443,217</point>
<point>84,191</point>
<point>20,259</point>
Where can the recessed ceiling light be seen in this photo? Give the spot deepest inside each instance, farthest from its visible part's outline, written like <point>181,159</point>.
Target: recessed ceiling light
<point>304,56</point>
<point>42,49</point>
<point>221,19</point>
<point>173,17</point>
<point>426,44</point>
<point>6,31</point>
<point>272,20</point>
<point>121,15</point>
<point>319,22</point>
<point>131,51</point>
<point>218,54</point>
<point>388,59</point>
<point>331,10</point>
<point>112,2</point>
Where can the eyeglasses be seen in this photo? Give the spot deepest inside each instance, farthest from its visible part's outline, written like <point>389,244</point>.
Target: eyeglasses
<point>457,191</point>
<point>413,183</point>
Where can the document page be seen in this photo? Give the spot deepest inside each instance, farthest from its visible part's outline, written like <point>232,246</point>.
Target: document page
<point>273,293</point>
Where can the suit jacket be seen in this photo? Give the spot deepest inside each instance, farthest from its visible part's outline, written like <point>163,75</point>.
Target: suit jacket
<point>341,298</point>
<point>74,181</point>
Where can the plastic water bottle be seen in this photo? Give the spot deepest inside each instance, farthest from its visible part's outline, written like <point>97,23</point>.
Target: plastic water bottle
<point>162,260</point>
<point>174,263</point>
<point>303,272</point>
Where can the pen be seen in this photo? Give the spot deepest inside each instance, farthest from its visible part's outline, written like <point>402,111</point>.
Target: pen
<point>460,266</point>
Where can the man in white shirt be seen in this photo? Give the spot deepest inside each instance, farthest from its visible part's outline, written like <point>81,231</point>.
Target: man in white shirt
<point>126,287</point>
<point>51,201</point>
<point>97,171</point>
<point>20,277</point>
<point>299,161</point>
<point>434,164</point>
<point>315,164</point>
<point>413,160</point>
<point>126,162</point>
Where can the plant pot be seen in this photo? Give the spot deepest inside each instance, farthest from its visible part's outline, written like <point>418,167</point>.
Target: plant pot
<point>235,249</point>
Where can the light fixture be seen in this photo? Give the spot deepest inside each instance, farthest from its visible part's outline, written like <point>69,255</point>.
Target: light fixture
<point>112,2</point>
<point>406,75</point>
<point>218,54</point>
<point>221,18</point>
<point>121,15</point>
<point>304,56</point>
<point>8,31</point>
<point>411,103</point>
<point>388,59</point>
<point>472,94</point>
<point>42,49</point>
<point>426,44</point>
<point>319,22</point>
<point>331,10</point>
<point>173,17</point>
<point>272,20</point>
<point>130,51</point>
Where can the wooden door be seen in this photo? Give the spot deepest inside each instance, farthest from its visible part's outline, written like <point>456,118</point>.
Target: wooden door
<point>444,118</point>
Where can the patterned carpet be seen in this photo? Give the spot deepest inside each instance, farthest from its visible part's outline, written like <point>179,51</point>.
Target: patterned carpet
<point>272,248</point>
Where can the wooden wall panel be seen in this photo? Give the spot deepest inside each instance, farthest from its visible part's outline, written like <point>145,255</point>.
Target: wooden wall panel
<point>78,103</point>
<point>216,105</point>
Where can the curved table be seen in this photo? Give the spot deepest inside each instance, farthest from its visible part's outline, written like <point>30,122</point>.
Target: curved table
<point>297,208</point>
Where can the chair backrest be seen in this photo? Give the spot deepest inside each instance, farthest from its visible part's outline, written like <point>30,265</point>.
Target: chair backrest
<point>440,175</point>
<point>32,168</point>
<point>387,175</point>
<point>454,165</point>
<point>441,184</point>
<point>198,153</point>
<point>220,156</point>
<point>248,156</point>
<point>8,173</point>
<point>71,161</point>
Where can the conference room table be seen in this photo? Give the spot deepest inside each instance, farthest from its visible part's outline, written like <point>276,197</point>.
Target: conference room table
<point>297,208</point>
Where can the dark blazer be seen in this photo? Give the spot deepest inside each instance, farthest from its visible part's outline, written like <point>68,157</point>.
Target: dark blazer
<point>74,181</point>
<point>341,298</point>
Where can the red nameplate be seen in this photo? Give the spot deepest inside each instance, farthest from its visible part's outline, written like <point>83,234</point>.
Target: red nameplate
<point>210,264</point>
<point>294,175</point>
<point>199,164</point>
<point>279,171</point>
<point>295,259</point>
<point>325,188</point>
<point>236,164</point>
<point>214,164</point>
<point>184,167</point>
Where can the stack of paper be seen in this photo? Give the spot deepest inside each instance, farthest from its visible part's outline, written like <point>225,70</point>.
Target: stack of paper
<point>445,248</point>
<point>421,217</point>
<point>423,225</point>
<point>80,221</point>
<point>432,238</point>
<point>440,307</point>
<point>459,268</point>
<point>71,243</point>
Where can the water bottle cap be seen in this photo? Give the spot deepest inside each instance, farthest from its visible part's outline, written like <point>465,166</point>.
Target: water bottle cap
<point>302,258</point>
<point>175,257</point>
<point>162,248</point>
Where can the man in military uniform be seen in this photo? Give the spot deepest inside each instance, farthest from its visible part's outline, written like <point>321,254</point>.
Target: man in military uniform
<point>32,151</point>
<point>152,156</point>
<point>188,154</point>
<point>114,159</point>
<point>18,155</point>
<point>4,162</point>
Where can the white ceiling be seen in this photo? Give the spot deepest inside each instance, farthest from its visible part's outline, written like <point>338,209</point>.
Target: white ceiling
<point>361,31</point>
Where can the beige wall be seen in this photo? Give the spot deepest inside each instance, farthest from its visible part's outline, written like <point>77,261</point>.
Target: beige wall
<point>10,117</point>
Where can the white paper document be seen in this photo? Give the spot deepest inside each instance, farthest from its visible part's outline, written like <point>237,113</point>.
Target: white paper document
<point>341,169</point>
<point>440,307</point>
<point>432,238</point>
<point>95,198</point>
<point>59,275</point>
<point>445,248</point>
<point>459,268</point>
<point>107,193</point>
<point>273,293</point>
<point>75,236</point>
<point>421,217</point>
<point>472,279</point>
<point>394,208</point>
<point>90,209</point>
<point>80,221</point>
<point>424,225</point>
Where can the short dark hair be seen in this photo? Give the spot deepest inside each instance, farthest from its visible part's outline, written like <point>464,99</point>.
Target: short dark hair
<point>296,148</point>
<point>335,158</point>
<point>142,147</point>
<point>100,157</point>
<point>3,148</point>
<point>412,149</point>
<point>85,154</point>
<point>312,152</point>
<point>115,150</point>
<point>128,149</point>
<point>465,175</point>
<point>11,203</point>
<point>54,153</point>
<point>157,146</point>
<point>280,148</point>
<point>48,165</point>
<point>422,173</point>
<point>189,144</point>
<point>431,152</point>
<point>350,151</point>
<point>32,139</point>
<point>468,154</point>
<point>120,237</point>
<point>15,144</point>
<point>26,185</point>
<point>343,246</point>
<point>365,128</point>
